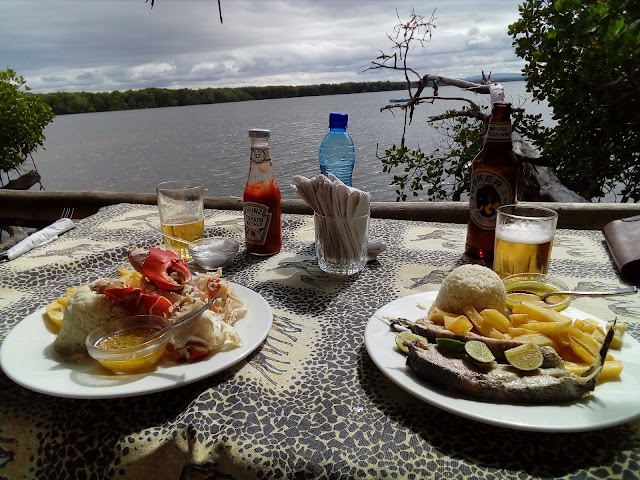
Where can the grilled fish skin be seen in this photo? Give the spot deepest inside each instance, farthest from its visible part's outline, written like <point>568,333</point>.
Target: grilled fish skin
<point>431,331</point>
<point>502,383</point>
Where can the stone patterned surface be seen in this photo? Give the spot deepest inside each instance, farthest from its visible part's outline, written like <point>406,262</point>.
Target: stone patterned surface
<point>309,403</point>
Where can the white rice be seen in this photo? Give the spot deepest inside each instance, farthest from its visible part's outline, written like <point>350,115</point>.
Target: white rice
<point>471,285</point>
<point>85,312</point>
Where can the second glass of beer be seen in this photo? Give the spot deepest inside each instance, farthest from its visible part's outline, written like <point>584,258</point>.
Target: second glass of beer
<point>181,208</point>
<point>524,238</point>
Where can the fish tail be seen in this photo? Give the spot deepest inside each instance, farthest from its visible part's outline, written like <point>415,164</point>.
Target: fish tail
<point>401,323</point>
<point>592,373</point>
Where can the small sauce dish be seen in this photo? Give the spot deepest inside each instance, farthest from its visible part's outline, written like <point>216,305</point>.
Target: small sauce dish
<point>537,284</point>
<point>214,252</point>
<point>123,346</point>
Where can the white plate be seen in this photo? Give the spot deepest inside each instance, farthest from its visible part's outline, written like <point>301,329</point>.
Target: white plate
<point>612,403</point>
<point>28,359</point>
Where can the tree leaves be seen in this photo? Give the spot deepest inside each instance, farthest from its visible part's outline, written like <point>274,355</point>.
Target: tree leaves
<point>23,117</point>
<point>582,57</point>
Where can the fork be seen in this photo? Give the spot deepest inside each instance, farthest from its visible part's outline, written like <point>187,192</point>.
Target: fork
<point>40,237</point>
<point>67,212</point>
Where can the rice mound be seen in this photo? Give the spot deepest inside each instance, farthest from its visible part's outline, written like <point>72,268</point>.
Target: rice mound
<point>85,312</point>
<point>473,285</point>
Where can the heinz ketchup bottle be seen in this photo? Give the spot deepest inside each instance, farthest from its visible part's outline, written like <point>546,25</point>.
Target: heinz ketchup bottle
<point>261,200</point>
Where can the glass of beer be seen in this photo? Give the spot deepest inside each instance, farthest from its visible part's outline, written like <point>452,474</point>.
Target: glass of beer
<point>524,238</point>
<point>181,208</point>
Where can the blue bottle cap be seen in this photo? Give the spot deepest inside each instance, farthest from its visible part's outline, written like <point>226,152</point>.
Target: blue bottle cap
<point>338,120</point>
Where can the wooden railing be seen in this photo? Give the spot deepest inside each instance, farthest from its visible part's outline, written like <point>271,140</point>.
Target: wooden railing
<point>39,208</point>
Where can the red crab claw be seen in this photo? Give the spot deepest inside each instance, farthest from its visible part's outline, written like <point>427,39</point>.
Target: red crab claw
<point>138,303</point>
<point>156,265</point>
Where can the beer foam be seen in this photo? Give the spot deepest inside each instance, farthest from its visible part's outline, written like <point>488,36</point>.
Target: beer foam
<point>528,234</point>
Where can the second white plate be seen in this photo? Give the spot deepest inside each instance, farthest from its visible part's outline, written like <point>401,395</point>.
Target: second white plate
<point>27,358</point>
<point>612,403</point>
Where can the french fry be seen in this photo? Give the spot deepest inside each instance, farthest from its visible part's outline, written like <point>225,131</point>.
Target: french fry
<point>576,368</point>
<point>616,342</point>
<point>476,319</point>
<point>458,324</point>
<point>496,319</point>
<point>611,370</point>
<point>581,352</point>
<point>437,316</point>
<point>537,338</point>
<point>568,355</point>
<point>493,333</point>
<point>584,325</point>
<point>518,331</point>
<point>599,335</point>
<point>585,340</point>
<point>548,328</point>
<point>518,318</point>
<point>540,314</point>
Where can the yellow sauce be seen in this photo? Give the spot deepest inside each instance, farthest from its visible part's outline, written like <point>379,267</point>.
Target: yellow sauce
<point>539,288</point>
<point>129,338</point>
<point>136,363</point>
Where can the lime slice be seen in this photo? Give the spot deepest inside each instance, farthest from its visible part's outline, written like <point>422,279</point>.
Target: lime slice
<point>406,336</point>
<point>450,345</point>
<point>524,357</point>
<point>479,351</point>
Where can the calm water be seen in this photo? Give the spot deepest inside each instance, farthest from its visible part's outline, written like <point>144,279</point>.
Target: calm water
<point>134,150</point>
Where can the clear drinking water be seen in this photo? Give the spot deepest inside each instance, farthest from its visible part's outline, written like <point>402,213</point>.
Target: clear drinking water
<point>337,154</point>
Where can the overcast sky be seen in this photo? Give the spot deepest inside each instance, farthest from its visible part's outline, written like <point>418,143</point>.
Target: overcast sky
<point>106,45</point>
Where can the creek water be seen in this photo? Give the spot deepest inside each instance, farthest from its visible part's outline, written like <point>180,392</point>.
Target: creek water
<point>134,150</point>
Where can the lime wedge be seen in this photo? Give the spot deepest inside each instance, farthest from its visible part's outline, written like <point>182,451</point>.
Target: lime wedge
<point>406,336</point>
<point>525,357</point>
<point>450,345</point>
<point>479,351</point>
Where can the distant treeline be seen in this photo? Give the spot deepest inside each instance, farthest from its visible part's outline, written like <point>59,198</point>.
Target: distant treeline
<point>83,102</point>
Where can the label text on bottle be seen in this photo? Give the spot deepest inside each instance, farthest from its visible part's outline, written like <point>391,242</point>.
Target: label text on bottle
<point>257,219</point>
<point>488,191</point>
<point>499,132</point>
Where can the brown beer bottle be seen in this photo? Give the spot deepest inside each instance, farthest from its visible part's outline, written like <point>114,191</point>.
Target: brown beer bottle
<point>494,177</point>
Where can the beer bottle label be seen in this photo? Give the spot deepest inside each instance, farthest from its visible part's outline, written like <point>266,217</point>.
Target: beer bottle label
<point>257,219</point>
<point>499,132</point>
<point>488,191</point>
<point>259,155</point>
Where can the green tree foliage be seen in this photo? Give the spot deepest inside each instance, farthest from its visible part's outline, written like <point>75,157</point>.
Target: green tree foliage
<point>583,57</point>
<point>444,172</point>
<point>23,117</point>
<point>84,102</point>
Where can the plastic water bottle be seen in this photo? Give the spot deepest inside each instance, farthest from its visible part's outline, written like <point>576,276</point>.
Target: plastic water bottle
<point>337,154</point>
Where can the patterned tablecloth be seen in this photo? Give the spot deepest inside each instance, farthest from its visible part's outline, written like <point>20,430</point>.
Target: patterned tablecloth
<point>309,403</point>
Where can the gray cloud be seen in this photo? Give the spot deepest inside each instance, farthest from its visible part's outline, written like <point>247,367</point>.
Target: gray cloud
<point>97,45</point>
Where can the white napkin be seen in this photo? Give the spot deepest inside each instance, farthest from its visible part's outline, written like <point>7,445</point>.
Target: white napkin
<point>41,237</point>
<point>328,196</point>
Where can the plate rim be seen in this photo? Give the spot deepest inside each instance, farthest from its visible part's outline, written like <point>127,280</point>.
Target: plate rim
<point>236,355</point>
<point>435,396</point>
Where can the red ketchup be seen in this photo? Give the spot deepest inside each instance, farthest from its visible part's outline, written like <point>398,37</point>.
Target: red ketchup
<point>262,199</point>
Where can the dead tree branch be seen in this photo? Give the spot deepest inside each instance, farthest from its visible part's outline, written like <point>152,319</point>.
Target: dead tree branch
<point>419,166</point>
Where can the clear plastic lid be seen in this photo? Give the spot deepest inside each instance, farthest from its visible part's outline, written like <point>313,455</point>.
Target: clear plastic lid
<point>338,120</point>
